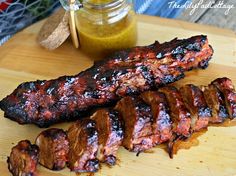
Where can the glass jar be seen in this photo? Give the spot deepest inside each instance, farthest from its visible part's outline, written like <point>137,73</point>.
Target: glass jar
<point>105,26</point>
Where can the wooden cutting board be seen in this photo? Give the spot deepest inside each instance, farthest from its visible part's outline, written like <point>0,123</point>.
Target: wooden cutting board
<point>21,59</point>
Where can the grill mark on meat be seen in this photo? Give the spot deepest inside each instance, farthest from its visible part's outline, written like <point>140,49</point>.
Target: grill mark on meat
<point>23,159</point>
<point>195,102</point>
<point>83,146</point>
<point>110,134</point>
<point>127,72</point>
<point>53,148</point>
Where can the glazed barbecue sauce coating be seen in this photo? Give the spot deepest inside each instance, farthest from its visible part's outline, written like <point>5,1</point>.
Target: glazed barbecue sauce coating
<point>127,72</point>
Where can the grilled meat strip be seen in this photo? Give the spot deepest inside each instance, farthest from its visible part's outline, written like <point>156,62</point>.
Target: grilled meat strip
<point>161,118</point>
<point>110,134</point>
<point>127,72</point>
<point>137,117</point>
<point>215,101</point>
<point>226,86</point>
<point>23,159</point>
<point>53,148</point>
<point>83,146</point>
<point>195,102</point>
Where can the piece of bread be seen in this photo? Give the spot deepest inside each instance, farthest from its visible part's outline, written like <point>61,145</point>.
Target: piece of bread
<point>55,30</point>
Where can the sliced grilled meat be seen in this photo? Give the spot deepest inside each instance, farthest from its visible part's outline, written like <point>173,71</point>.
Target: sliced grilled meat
<point>161,118</point>
<point>127,72</point>
<point>83,146</point>
<point>195,102</point>
<point>137,117</point>
<point>180,116</point>
<point>53,148</point>
<point>226,86</point>
<point>23,159</point>
<point>110,134</point>
<point>215,100</point>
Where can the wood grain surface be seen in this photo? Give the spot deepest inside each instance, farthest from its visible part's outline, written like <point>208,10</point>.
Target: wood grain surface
<point>212,16</point>
<point>22,59</point>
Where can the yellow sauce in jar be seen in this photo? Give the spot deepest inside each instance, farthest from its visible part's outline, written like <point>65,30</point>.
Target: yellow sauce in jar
<point>100,39</point>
